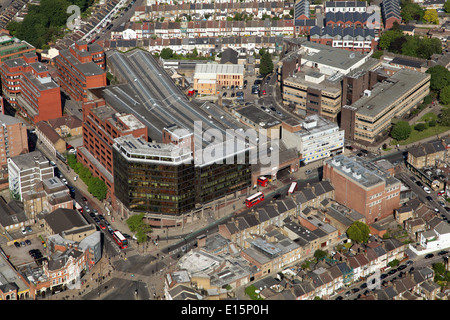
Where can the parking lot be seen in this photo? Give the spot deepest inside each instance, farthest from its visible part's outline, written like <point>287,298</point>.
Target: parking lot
<point>19,255</point>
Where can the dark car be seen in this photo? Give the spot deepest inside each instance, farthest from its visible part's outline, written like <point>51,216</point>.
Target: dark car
<point>429,198</point>
<point>401,267</point>
<point>391,272</point>
<point>443,252</point>
<point>339,298</point>
<point>429,256</point>
<point>420,184</point>
<point>17,244</point>
<point>84,199</point>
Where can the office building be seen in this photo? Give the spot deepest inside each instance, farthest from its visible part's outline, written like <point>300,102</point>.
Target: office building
<point>11,48</point>
<point>149,93</point>
<point>13,139</point>
<point>363,186</point>
<point>315,82</point>
<point>209,78</point>
<point>312,92</point>
<point>28,86</point>
<point>162,179</point>
<point>371,115</point>
<point>101,125</point>
<point>25,171</point>
<point>318,139</point>
<point>81,67</point>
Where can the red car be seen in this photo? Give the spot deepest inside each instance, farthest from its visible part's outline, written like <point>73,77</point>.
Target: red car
<point>101,225</point>
<point>264,92</point>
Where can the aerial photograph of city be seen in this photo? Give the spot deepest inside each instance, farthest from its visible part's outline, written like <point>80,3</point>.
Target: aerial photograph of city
<point>227,155</point>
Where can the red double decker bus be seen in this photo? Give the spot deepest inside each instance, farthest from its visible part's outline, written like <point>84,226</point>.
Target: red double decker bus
<point>254,199</point>
<point>120,239</point>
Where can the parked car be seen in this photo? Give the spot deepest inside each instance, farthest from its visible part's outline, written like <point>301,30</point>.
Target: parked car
<point>429,256</point>
<point>27,242</point>
<point>17,244</point>
<point>308,172</point>
<point>426,189</point>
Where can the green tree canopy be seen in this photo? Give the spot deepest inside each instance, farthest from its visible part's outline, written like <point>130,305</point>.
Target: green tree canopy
<point>447,6</point>
<point>266,64</point>
<point>45,22</point>
<point>412,11</point>
<point>358,232</point>
<point>137,224</point>
<point>401,130</point>
<point>445,117</point>
<point>319,254</point>
<point>166,53</point>
<point>440,77</point>
<point>444,95</point>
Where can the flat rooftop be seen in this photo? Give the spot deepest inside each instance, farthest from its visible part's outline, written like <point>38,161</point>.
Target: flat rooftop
<point>385,93</point>
<point>333,57</point>
<point>258,117</point>
<point>360,171</point>
<point>218,68</point>
<point>144,151</point>
<point>87,69</point>
<point>316,80</point>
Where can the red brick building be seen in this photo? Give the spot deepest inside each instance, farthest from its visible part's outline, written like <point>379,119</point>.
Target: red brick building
<point>363,187</point>
<point>81,67</point>
<point>28,86</point>
<point>101,125</point>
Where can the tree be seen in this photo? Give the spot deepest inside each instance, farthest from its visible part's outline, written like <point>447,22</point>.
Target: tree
<point>401,130</point>
<point>440,77</point>
<point>97,188</point>
<point>431,16</point>
<point>444,95</point>
<point>136,224</point>
<point>445,117</point>
<point>447,6</point>
<point>420,126</point>
<point>266,64</point>
<point>319,254</point>
<point>166,53</point>
<point>412,11</point>
<point>358,232</point>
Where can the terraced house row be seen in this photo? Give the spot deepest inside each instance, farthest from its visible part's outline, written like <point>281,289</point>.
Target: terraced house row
<point>219,10</point>
<point>200,29</point>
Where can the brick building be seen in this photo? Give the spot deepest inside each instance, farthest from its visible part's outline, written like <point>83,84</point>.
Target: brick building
<point>363,187</point>
<point>81,67</point>
<point>101,125</point>
<point>13,138</point>
<point>28,86</point>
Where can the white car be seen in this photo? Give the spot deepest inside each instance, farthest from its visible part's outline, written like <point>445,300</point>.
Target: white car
<point>64,180</point>
<point>426,189</point>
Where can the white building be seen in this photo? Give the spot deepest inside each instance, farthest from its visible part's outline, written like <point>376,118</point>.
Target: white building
<point>436,238</point>
<point>26,170</point>
<point>319,138</point>
<point>345,6</point>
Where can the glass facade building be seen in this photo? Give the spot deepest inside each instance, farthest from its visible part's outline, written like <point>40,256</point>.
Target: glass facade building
<point>165,180</point>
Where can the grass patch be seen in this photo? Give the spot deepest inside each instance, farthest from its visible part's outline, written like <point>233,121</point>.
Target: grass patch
<point>420,135</point>
<point>251,292</point>
<point>430,116</point>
